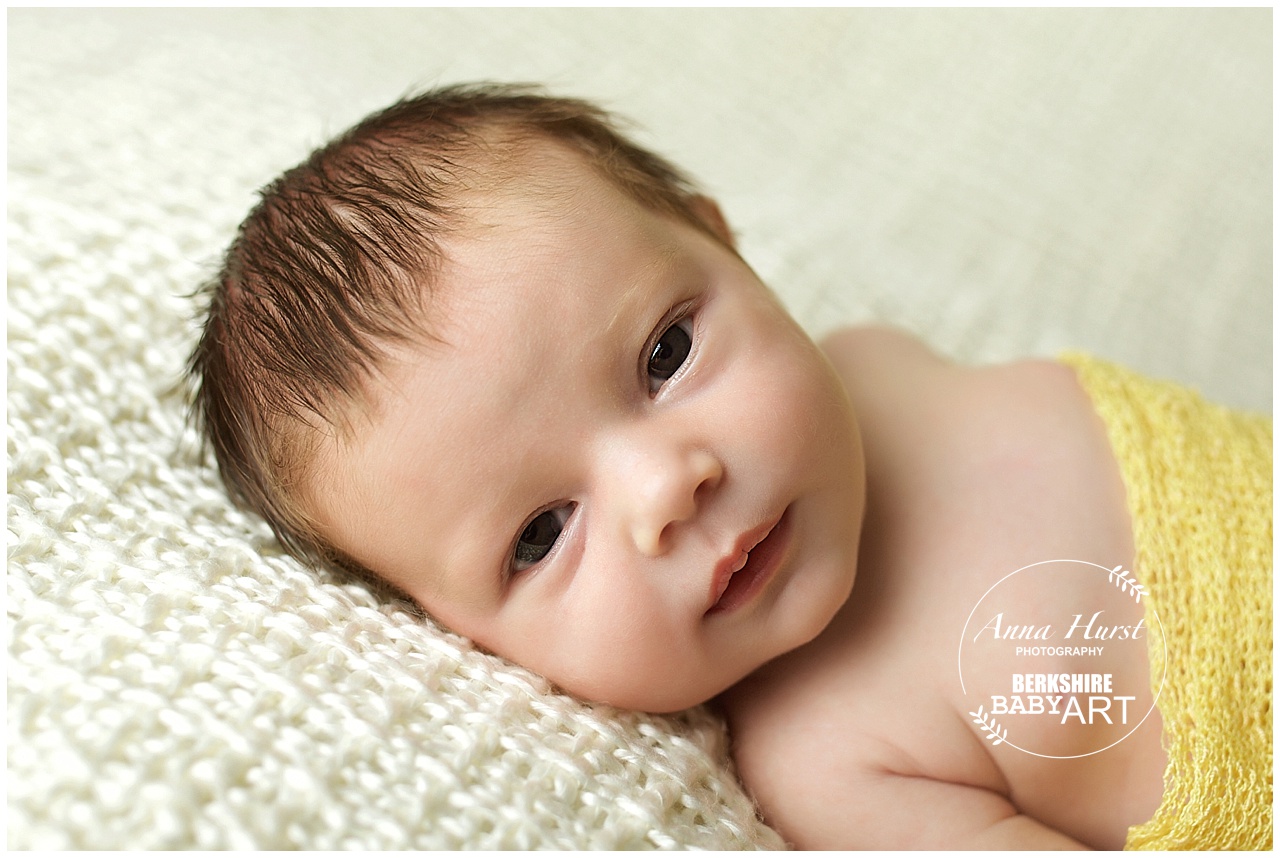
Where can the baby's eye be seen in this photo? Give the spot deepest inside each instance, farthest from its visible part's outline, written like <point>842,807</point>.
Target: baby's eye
<point>539,537</point>
<point>669,353</point>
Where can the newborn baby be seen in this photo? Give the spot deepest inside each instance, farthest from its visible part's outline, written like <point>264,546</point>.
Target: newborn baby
<point>484,349</point>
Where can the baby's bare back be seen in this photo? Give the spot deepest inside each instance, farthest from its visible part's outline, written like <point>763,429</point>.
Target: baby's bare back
<point>865,738</point>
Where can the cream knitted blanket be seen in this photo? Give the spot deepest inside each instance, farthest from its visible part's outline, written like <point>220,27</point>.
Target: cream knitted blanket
<point>1001,183</point>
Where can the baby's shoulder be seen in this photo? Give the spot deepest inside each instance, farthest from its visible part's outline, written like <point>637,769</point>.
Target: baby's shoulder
<point>909,398</point>
<point>870,352</point>
<point>880,359</point>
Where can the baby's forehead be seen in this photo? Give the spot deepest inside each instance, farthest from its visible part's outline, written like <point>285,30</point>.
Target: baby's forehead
<point>499,215</point>
<point>530,243</point>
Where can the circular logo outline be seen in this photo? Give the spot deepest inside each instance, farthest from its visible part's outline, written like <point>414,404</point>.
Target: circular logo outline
<point>1129,584</point>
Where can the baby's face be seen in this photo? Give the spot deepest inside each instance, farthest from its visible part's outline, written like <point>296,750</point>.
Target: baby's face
<point>618,412</point>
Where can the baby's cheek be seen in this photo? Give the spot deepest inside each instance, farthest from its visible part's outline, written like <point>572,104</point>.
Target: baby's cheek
<point>605,639</point>
<point>617,673</point>
<point>788,405</point>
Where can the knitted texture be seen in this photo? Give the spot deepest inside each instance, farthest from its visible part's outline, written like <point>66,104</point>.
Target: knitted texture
<point>1199,491</point>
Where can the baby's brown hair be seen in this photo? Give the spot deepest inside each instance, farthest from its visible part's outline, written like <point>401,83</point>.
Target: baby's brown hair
<point>339,258</point>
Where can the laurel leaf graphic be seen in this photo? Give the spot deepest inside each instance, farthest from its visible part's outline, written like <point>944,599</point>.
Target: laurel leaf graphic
<point>995,733</point>
<point>1128,584</point>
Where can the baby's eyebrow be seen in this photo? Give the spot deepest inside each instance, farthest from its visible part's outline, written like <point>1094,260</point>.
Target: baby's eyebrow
<point>641,287</point>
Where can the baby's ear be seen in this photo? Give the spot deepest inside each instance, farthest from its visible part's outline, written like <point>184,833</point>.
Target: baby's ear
<point>709,213</point>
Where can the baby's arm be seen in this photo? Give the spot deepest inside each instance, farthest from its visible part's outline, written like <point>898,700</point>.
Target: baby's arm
<point>891,811</point>
<point>828,772</point>
<point>958,816</point>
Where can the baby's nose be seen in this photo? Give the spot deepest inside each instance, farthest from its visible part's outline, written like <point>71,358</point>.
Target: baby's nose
<point>668,491</point>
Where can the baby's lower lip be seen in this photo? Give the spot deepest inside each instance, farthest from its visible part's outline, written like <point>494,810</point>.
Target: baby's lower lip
<point>762,563</point>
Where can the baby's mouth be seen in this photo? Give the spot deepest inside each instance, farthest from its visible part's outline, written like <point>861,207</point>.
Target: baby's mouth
<point>739,579</point>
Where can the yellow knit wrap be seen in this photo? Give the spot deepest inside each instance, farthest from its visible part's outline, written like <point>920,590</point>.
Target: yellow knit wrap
<point>1199,491</point>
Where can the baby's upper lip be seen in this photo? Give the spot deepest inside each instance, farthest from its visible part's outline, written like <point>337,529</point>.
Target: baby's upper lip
<point>735,558</point>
